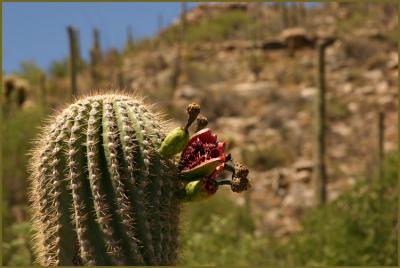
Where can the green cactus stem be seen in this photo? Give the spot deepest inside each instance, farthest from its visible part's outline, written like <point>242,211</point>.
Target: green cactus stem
<point>319,173</point>
<point>73,59</point>
<point>95,58</point>
<point>101,193</point>
<point>103,190</point>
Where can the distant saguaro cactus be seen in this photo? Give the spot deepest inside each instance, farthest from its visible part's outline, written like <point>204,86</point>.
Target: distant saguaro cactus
<point>43,90</point>
<point>180,37</point>
<point>15,92</point>
<point>320,179</point>
<point>183,19</point>
<point>107,187</point>
<point>177,67</point>
<point>95,58</point>
<point>130,43</point>
<point>381,138</point>
<point>73,59</point>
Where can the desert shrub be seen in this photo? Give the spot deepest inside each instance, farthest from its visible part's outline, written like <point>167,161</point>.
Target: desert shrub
<point>138,45</point>
<point>336,109</point>
<point>263,157</point>
<point>201,75</point>
<point>30,71</point>
<point>219,103</point>
<point>154,64</point>
<point>255,63</point>
<point>359,228</point>
<point>17,248</point>
<point>232,24</point>
<point>377,61</point>
<point>294,73</point>
<point>219,232</point>
<point>18,132</point>
<point>361,49</point>
<point>59,68</point>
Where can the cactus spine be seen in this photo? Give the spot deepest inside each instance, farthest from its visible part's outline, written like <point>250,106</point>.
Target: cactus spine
<point>101,192</point>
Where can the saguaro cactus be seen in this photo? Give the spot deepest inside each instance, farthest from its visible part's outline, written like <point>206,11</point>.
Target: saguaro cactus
<point>95,58</point>
<point>320,179</point>
<point>381,137</point>
<point>73,59</point>
<point>130,43</point>
<point>15,92</point>
<point>107,187</point>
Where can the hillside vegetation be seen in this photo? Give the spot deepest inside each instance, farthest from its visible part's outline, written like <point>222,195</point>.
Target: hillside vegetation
<point>257,90</point>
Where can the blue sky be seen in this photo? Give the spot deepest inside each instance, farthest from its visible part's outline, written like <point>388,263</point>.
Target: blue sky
<point>37,31</point>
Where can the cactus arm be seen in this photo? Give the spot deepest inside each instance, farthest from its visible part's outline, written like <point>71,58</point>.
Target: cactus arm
<point>102,209</point>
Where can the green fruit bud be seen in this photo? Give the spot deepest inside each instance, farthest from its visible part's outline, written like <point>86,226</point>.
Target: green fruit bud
<point>174,142</point>
<point>192,192</point>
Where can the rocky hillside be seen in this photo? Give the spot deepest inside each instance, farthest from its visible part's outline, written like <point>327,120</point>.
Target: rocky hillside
<point>252,67</point>
<point>266,116</point>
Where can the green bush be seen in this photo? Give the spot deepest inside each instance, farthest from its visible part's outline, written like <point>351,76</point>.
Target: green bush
<point>201,75</point>
<point>358,228</point>
<point>30,71</point>
<point>336,108</point>
<point>59,68</point>
<point>218,232</point>
<point>17,249</point>
<point>255,63</point>
<point>18,132</point>
<point>234,24</point>
<point>265,157</point>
